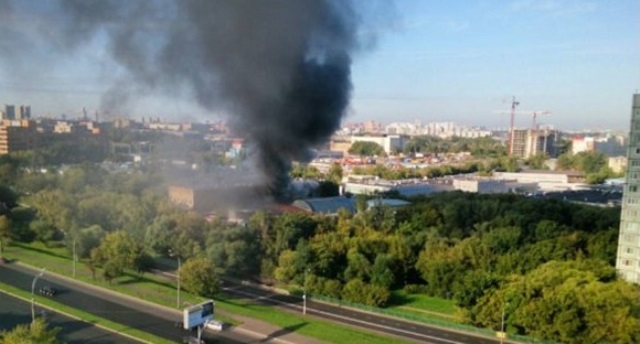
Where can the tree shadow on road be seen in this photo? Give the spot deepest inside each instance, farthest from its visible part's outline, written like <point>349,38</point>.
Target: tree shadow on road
<point>283,331</point>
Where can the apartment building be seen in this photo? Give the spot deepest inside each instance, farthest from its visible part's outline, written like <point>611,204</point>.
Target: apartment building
<point>628,257</point>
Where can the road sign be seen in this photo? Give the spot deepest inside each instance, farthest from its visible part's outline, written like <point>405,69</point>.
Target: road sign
<point>199,314</point>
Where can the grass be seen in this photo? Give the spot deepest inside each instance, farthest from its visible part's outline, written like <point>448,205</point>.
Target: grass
<point>158,290</point>
<point>84,316</point>
<point>401,300</point>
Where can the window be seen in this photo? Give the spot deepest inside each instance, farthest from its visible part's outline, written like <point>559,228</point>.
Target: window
<point>633,188</point>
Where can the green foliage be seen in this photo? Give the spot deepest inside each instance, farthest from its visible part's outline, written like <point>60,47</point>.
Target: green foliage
<point>357,291</point>
<point>198,276</point>
<point>33,333</point>
<point>44,232</point>
<point>235,250</point>
<point>566,302</point>
<point>117,251</point>
<point>8,198</point>
<point>537,161</point>
<point>366,149</point>
<point>479,147</point>
<point>593,164</point>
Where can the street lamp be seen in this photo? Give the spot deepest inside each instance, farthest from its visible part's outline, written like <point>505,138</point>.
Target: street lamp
<point>502,334</point>
<point>73,249</point>
<point>171,254</point>
<point>304,292</point>
<point>33,287</point>
<point>75,257</point>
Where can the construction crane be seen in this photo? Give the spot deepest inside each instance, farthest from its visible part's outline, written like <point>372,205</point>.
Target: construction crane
<point>534,117</point>
<point>514,103</point>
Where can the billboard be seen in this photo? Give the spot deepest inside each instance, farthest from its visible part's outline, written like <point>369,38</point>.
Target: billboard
<point>199,314</point>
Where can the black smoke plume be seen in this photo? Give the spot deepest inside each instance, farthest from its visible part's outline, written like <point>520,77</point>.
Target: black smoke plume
<point>280,68</point>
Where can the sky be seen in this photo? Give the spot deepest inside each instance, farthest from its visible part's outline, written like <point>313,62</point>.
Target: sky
<point>431,61</point>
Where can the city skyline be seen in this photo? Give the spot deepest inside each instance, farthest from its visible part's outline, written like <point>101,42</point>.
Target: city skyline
<point>460,62</point>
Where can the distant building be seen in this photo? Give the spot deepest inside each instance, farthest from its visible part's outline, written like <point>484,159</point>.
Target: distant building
<point>528,142</point>
<point>369,185</point>
<point>545,180</point>
<point>23,112</point>
<point>481,185</point>
<point>332,205</point>
<point>219,196</point>
<point>618,164</point>
<point>390,143</point>
<point>25,134</point>
<point>17,135</point>
<point>628,258</point>
<point>609,146</point>
<point>327,205</point>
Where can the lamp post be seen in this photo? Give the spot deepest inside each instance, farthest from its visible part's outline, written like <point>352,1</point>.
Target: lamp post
<point>502,334</point>
<point>73,250</point>
<point>304,293</point>
<point>33,287</point>
<point>75,257</point>
<point>172,254</point>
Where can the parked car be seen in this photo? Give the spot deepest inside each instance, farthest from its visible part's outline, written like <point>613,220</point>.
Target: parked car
<point>215,325</point>
<point>47,291</point>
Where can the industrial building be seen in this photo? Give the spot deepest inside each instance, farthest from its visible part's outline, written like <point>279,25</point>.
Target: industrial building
<point>628,257</point>
<point>481,185</point>
<point>370,185</point>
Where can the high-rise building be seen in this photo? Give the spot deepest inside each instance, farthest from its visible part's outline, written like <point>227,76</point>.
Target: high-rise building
<point>12,112</point>
<point>528,142</point>
<point>9,112</point>
<point>628,258</point>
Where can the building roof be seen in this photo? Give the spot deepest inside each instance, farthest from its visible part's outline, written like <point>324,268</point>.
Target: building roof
<point>328,205</point>
<point>388,202</point>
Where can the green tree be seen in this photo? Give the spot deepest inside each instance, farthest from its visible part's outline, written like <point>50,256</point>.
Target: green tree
<point>381,273</point>
<point>36,332</point>
<point>43,230</point>
<point>117,251</point>
<point>198,276</point>
<point>335,173</point>
<point>366,149</point>
<point>8,197</point>
<point>537,161</point>
<point>568,302</point>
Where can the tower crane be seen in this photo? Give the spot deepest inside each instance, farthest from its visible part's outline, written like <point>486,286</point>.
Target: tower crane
<point>514,103</point>
<point>534,117</point>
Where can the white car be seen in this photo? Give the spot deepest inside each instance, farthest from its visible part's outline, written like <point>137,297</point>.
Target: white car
<point>215,325</point>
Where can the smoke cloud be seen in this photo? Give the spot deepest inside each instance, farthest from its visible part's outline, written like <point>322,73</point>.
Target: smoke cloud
<point>280,68</point>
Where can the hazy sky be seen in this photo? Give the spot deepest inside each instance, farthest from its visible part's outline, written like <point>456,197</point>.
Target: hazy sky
<point>456,60</point>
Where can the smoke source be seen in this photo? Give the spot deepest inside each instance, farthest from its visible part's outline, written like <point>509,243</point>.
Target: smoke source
<point>280,68</point>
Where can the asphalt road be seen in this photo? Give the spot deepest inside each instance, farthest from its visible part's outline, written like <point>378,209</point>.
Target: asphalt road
<point>111,306</point>
<point>391,326</point>
<point>15,311</point>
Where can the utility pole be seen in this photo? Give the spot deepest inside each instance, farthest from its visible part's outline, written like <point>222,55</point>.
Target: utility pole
<point>75,258</point>
<point>33,287</point>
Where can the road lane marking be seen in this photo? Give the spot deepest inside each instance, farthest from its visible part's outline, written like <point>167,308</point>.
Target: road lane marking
<point>392,329</point>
